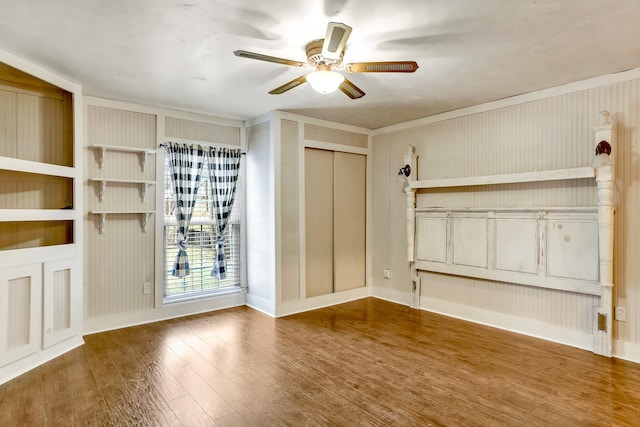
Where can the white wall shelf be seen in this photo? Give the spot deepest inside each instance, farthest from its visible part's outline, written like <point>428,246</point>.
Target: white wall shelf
<point>512,178</point>
<point>144,186</point>
<point>13,215</point>
<point>142,152</point>
<point>28,166</point>
<point>144,217</point>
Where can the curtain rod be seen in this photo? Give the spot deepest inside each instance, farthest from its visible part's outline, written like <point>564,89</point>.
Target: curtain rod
<point>242,153</point>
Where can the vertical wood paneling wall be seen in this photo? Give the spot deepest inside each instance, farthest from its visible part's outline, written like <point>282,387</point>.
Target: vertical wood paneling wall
<point>19,312</point>
<point>260,218</point>
<point>62,300</point>
<point>199,131</point>
<point>547,133</point>
<point>290,238</point>
<point>34,125</point>
<point>119,262</point>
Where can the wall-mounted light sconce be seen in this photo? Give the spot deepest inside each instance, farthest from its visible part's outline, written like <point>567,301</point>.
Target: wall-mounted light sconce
<point>403,173</point>
<point>405,170</point>
<point>603,155</point>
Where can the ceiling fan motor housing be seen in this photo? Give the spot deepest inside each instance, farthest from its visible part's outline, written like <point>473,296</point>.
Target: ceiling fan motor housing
<point>314,54</point>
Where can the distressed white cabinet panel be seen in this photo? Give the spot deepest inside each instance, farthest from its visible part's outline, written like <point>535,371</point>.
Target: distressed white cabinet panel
<point>61,282</point>
<point>20,311</point>
<point>517,244</point>
<point>513,246</point>
<point>572,249</point>
<point>469,240</point>
<point>431,232</point>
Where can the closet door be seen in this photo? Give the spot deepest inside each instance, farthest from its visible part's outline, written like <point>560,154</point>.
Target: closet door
<point>318,222</point>
<point>335,215</point>
<point>349,213</point>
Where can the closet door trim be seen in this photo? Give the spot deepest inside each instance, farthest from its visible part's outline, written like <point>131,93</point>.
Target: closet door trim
<point>310,143</point>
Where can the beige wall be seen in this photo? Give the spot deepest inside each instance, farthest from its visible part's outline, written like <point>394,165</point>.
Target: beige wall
<point>123,258</point>
<point>290,236</point>
<point>550,132</point>
<point>260,218</point>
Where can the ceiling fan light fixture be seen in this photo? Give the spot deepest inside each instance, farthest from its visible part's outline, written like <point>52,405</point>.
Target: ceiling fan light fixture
<point>325,81</point>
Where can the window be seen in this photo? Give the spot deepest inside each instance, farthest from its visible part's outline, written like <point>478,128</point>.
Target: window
<point>201,248</point>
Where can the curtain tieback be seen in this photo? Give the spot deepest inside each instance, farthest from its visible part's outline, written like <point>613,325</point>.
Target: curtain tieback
<point>182,241</point>
<point>219,238</point>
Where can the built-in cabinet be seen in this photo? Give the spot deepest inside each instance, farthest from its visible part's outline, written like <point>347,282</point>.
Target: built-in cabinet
<point>40,216</point>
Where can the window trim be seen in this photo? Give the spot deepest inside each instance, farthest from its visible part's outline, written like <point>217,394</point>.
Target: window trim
<point>159,301</point>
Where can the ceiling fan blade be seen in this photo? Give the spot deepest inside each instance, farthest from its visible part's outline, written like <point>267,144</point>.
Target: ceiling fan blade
<point>267,58</point>
<point>287,86</point>
<point>335,40</point>
<point>351,90</point>
<point>382,67</point>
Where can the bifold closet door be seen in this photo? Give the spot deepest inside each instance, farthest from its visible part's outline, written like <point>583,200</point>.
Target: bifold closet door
<point>318,166</point>
<point>335,212</point>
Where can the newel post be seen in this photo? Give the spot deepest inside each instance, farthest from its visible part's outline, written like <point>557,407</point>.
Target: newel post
<point>604,167</point>
<point>410,172</point>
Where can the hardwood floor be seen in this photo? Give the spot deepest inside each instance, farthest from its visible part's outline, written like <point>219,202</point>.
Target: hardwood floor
<point>368,362</point>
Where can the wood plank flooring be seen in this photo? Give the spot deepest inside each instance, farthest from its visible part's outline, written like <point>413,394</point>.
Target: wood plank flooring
<point>364,363</point>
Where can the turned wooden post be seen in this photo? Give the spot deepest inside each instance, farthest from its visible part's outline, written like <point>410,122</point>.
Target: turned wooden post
<point>603,165</point>
<point>410,171</point>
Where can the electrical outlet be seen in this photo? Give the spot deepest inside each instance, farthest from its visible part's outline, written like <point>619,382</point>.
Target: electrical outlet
<point>621,314</point>
<point>146,289</point>
<point>387,273</point>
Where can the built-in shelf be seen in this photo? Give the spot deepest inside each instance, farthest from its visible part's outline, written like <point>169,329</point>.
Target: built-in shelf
<point>144,217</point>
<point>512,178</point>
<point>142,152</point>
<point>19,215</point>
<point>28,166</point>
<point>144,186</point>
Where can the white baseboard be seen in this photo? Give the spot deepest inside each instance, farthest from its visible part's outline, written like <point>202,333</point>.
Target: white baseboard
<point>627,351</point>
<point>28,363</point>
<point>516,324</point>
<point>170,311</point>
<point>392,295</point>
<point>261,304</point>
<point>287,308</point>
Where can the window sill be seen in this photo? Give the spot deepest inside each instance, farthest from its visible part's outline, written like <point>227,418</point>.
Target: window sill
<point>200,297</point>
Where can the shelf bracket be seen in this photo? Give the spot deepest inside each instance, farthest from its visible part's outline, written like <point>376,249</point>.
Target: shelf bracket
<point>101,188</point>
<point>144,186</point>
<point>143,160</point>
<point>102,220</point>
<point>100,156</point>
<point>145,218</point>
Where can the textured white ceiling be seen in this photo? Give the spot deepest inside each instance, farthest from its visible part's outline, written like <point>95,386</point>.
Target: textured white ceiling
<point>178,54</point>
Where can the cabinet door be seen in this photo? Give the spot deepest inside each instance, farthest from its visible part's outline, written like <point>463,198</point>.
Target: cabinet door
<point>20,311</point>
<point>61,293</point>
<point>318,222</point>
<point>349,217</point>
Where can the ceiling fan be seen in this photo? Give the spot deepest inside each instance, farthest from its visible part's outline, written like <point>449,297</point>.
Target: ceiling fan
<point>326,56</point>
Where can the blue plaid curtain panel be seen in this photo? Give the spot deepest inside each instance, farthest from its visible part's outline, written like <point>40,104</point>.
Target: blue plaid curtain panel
<point>186,164</point>
<point>224,166</point>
